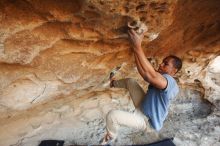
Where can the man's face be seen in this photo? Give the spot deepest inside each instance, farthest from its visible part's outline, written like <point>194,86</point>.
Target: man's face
<point>167,67</point>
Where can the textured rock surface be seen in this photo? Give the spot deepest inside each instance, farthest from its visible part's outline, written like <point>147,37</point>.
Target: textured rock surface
<point>55,58</point>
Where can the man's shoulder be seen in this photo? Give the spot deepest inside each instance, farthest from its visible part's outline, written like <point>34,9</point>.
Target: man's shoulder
<point>171,82</point>
<point>169,77</point>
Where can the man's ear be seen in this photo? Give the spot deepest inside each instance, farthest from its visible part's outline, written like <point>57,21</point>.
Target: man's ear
<point>175,70</point>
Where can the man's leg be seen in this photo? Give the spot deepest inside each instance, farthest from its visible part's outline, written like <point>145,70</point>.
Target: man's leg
<point>136,92</point>
<point>116,118</point>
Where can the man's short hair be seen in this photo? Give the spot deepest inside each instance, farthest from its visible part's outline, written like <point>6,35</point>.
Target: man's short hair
<point>177,62</point>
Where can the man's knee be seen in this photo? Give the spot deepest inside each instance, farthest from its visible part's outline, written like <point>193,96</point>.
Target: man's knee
<point>131,81</point>
<point>111,115</point>
<point>114,117</point>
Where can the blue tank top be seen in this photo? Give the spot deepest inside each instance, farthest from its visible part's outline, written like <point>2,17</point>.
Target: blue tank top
<point>156,102</point>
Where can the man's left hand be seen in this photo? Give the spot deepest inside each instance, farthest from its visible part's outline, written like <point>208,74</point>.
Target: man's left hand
<point>135,38</point>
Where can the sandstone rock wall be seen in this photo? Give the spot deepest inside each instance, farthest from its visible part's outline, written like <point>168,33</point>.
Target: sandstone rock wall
<point>56,56</point>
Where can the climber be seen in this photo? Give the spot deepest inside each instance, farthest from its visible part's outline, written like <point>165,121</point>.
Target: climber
<point>151,108</point>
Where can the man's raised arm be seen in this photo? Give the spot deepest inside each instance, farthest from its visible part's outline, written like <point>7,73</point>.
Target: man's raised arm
<point>144,67</point>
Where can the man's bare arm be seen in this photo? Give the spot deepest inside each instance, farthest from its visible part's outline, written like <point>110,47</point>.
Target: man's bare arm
<point>145,69</point>
<point>140,70</point>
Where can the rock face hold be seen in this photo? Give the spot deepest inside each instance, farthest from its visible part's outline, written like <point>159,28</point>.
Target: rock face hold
<point>56,56</point>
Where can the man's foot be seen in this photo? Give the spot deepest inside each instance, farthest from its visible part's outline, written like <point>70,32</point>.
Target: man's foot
<point>112,83</point>
<point>107,140</point>
<point>112,74</point>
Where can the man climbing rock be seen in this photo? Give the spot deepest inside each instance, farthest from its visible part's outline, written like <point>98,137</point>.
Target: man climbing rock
<point>151,108</point>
